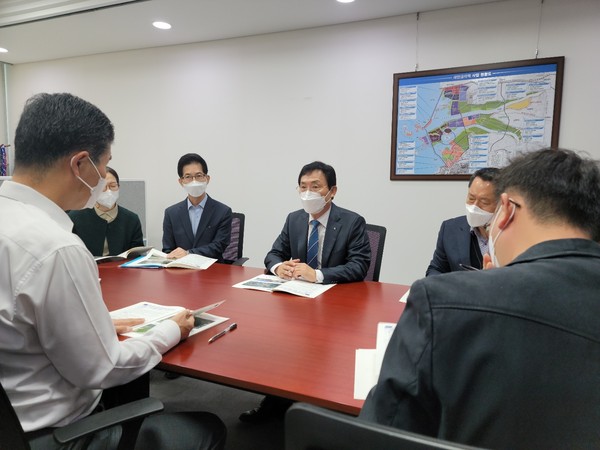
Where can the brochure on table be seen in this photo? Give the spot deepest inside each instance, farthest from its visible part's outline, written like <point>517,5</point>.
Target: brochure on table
<point>156,259</point>
<point>135,251</point>
<point>368,361</point>
<point>154,313</point>
<point>271,283</point>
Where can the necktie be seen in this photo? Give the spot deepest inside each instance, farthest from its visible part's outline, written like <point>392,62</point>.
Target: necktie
<point>313,245</point>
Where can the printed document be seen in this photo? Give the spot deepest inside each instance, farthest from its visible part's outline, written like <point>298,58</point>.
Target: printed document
<point>271,283</point>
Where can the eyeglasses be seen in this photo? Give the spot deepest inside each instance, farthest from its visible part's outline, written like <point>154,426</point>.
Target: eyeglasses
<point>312,188</point>
<point>113,186</point>
<point>197,177</point>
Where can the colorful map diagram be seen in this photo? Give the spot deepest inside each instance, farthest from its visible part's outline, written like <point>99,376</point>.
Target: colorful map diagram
<point>457,123</point>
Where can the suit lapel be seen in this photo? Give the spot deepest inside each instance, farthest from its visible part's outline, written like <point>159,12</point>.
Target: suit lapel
<point>301,230</point>
<point>184,217</point>
<point>334,225</point>
<point>203,225</point>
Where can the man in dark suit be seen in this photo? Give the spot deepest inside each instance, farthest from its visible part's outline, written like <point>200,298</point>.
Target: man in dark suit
<point>509,357</point>
<point>199,224</point>
<point>462,241</point>
<point>321,243</point>
<point>343,253</point>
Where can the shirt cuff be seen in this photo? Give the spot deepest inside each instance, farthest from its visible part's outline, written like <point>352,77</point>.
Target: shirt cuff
<point>273,269</point>
<point>320,277</point>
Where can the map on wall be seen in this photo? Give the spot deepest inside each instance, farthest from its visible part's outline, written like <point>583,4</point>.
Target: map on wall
<point>452,122</point>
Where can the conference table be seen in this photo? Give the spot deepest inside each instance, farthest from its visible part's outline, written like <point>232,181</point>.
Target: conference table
<point>285,345</point>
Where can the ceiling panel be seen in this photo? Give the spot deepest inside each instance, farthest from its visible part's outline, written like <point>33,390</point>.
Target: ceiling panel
<point>128,26</point>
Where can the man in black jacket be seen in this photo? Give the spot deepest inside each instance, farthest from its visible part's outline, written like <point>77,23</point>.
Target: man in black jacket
<point>509,357</point>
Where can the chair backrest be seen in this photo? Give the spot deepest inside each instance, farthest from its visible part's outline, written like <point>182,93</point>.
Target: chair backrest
<point>12,436</point>
<point>376,235</point>
<point>234,250</point>
<point>309,427</point>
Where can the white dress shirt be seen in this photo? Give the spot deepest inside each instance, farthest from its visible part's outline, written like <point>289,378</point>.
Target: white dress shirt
<point>58,347</point>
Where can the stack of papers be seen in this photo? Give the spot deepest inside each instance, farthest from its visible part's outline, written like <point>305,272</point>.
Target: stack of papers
<point>368,361</point>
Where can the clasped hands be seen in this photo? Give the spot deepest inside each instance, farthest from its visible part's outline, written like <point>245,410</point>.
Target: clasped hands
<point>294,270</point>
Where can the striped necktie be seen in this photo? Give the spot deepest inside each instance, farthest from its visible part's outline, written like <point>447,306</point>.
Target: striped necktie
<point>313,245</point>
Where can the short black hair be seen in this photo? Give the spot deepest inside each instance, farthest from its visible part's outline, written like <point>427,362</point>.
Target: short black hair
<point>558,186</point>
<point>53,126</point>
<point>486,174</point>
<point>114,173</point>
<point>190,158</point>
<point>327,170</point>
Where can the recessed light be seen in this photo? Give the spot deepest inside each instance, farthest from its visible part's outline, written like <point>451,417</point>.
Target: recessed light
<point>345,1</point>
<point>3,50</point>
<point>162,25</point>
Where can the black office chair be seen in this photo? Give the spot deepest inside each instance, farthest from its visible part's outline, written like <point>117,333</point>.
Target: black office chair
<point>233,253</point>
<point>309,427</point>
<point>12,436</point>
<point>376,235</point>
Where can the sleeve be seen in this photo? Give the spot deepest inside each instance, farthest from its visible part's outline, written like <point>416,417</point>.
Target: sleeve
<point>281,250</point>
<point>137,236</point>
<point>358,256</point>
<point>219,243</point>
<point>76,330</point>
<point>439,263</point>
<point>404,396</point>
<point>168,239</point>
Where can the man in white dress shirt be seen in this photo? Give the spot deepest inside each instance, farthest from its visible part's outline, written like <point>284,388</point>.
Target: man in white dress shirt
<point>58,346</point>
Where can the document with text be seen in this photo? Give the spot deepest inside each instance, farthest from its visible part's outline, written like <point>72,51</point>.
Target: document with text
<point>156,259</point>
<point>367,364</point>
<point>154,313</point>
<point>271,283</point>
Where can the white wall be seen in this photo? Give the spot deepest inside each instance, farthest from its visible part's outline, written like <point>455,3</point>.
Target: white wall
<point>258,108</point>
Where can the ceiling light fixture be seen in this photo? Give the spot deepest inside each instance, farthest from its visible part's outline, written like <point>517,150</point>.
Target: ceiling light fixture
<point>345,1</point>
<point>162,25</point>
<point>3,50</point>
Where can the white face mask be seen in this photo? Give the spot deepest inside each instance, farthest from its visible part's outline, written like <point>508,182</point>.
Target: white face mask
<point>477,217</point>
<point>492,241</point>
<point>94,191</point>
<point>195,188</point>
<point>108,198</point>
<point>313,202</point>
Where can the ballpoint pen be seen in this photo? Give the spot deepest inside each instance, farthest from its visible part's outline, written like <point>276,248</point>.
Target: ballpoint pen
<point>231,327</point>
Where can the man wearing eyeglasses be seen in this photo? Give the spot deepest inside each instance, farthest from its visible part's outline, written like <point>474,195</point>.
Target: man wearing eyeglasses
<point>199,224</point>
<point>108,228</point>
<point>509,357</point>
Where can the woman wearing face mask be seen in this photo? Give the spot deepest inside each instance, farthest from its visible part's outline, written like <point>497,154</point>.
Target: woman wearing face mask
<point>106,228</point>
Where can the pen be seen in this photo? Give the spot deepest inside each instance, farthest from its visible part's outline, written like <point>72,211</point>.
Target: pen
<point>231,327</point>
<point>467,267</point>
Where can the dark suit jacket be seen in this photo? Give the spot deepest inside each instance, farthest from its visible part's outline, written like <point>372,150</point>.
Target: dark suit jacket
<point>455,245</point>
<point>213,234</point>
<point>346,251</point>
<point>123,233</point>
<point>505,358</point>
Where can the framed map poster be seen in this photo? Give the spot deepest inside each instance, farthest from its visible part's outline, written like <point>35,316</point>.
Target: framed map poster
<point>448,123</point>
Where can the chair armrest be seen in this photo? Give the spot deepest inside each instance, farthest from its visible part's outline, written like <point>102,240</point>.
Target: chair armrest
<point>108,418</point>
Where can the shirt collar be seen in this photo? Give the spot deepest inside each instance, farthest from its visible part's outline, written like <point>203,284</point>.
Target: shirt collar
<point>202,204</point>
<point>109,215</point>
<point>323,219</point>
<point>29,196</point>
